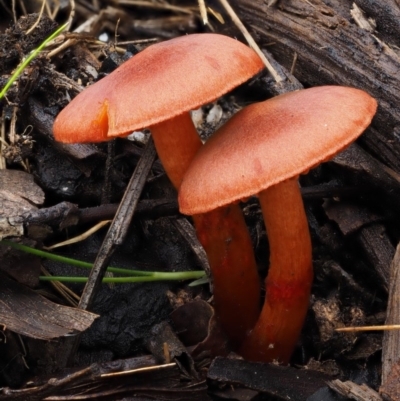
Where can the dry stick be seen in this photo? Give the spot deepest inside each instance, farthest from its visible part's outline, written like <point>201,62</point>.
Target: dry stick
<point>368,328</point>
<point>71,14</point>
<point>119,226</point>
<point>3,143</point>
<point>236,20</point>
<point>203,11</point>
<point>38,19</point>
<point>13,11</point>
<point>114,237</point>
<point>80,237</point>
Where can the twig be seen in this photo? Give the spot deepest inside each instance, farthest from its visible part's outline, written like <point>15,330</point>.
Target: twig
<point>252,43</point>
<point>80,237</point>
<point>203,11</point>
<point>3,143</point>
<point>71,14</point>
<point>38,19</point>
<point>369,328</point>
<point>189,233</point>
<point>119,226</point>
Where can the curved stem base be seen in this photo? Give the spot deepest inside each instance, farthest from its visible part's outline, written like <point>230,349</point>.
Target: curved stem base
<point>289,280</point>
<point>226,240</point>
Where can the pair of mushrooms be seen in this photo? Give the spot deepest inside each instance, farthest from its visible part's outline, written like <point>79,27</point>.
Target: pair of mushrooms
<point>266,145</point>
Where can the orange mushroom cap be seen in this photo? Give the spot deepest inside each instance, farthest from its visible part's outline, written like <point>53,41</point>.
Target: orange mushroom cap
<point>161,82</point>
<point>269,142</point>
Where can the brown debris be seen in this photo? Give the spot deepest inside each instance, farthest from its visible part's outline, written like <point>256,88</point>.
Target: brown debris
<point>21,185</point>
<point>391,339</point>
<point>25,312</point>
<point>354,391</point>
<point>283,382</point>
<point>18,195</point>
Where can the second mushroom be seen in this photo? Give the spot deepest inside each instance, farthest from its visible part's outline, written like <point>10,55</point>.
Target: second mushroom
<point>262,150</point>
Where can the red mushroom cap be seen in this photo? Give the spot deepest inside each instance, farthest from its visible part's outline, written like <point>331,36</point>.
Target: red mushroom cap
<point>161,82</point>
<point>272,141</point>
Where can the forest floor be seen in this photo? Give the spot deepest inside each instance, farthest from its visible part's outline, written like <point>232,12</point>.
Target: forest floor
<point>160,340</point>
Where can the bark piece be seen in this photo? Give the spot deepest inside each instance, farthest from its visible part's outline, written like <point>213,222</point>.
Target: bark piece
<point>332,49</point>
<point>53,386</point>
<point>12,204</point>
<point>43,121</point>
<point>166,347</point>
<point>378,248</point>
<point>282,382</point>
<point>25,312</point>
<point>21,184</point>
<point>390,390</point>
<point>18,195</point>
<point>8,230</point>
<point>355,391</point>
<point>370,234</point>
<point>387,17</point>
<point>360,168</point>
<point>391,339</point>
<point>349,216</point>
<point>22,267</point>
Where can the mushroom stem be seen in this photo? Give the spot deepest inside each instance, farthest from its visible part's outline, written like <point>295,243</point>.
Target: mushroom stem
<point>177,142</point>
<point>226,240</point>
<point>222,232</point>
<point>289,279</point>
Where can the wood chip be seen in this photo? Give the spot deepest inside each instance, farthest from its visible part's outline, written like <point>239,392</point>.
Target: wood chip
<point>23,311</point>
<point>354,391</point>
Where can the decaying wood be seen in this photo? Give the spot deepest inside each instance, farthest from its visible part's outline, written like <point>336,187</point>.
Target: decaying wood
<point>283,382</point>
<point>21,184</point>
<point>25,312</point>
<point>331,49</point>
<point>370,234</point>
<point>387,17</point>
<point>53,386</point>
<point>354,391</point>
<point>43,122</point>
<point>391,339</point>
<point>378,249</point>
<point>18,195</point>
<point>360,168</point>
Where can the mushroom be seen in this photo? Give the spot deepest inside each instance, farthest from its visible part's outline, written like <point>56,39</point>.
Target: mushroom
<point>156,89</point>
<point>262,150</point>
